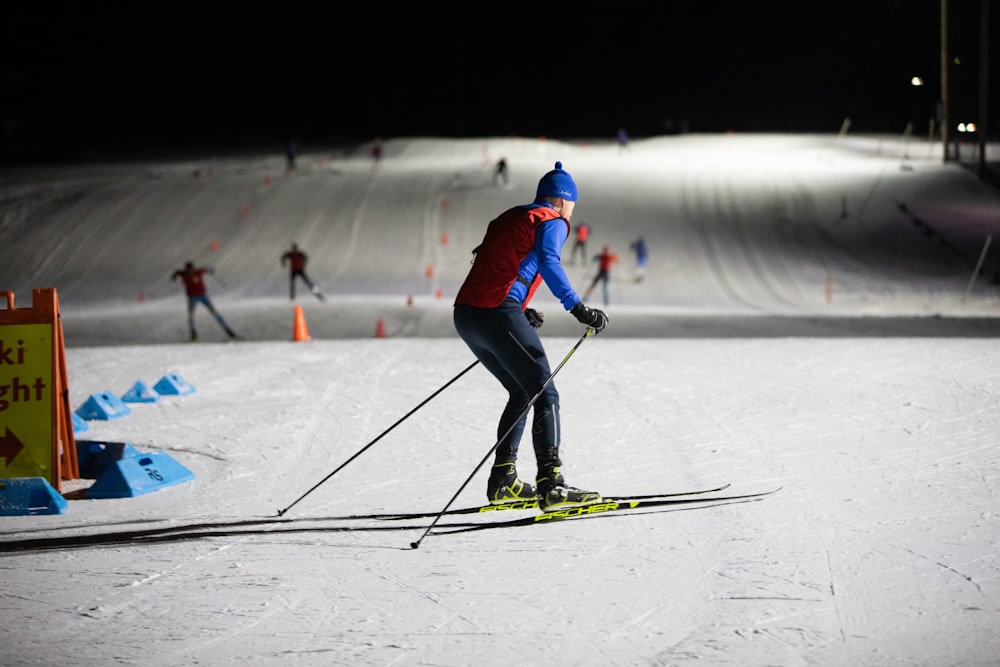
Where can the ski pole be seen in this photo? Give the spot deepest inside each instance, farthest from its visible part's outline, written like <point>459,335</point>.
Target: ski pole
<point>380,436</point>
<point>588,332</point>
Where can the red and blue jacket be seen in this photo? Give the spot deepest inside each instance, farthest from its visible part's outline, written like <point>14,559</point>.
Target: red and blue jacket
<point>521,247</point>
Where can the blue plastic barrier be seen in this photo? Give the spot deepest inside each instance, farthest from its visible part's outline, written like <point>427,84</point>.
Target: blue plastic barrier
<point>137,475</point>
<point>174,384</point>
<point>141,392</point>
<point>103,406</point>
<point>21,496</point>
<point>94,457</point>
<point>80,424</point>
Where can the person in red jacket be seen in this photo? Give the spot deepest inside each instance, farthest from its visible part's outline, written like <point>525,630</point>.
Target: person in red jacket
<point>580,244</point>
<point>194,287</point>
<point>521,247</point>
<point>604,262</point>
<point>297,260</point>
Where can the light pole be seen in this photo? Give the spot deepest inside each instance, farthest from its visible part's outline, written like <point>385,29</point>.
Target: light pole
<point>984,92</point>
<point>944,78</point>
<point>917,102</point>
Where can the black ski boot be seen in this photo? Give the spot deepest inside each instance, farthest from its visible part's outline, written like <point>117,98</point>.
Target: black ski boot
<point>504,485</point>
<point>554,493</point>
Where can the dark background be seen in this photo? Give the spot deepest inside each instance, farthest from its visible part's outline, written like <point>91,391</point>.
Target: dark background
<point>81,76</point>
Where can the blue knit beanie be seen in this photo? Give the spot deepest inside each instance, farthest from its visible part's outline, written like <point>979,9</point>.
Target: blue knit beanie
<point>557,183</point>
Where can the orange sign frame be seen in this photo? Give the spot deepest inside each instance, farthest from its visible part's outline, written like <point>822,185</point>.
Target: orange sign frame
<point>44,311</point>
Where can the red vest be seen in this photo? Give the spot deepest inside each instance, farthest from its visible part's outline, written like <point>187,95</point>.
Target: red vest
<point>298,259</point>
<point>194,281</point>
<point>509,239</point>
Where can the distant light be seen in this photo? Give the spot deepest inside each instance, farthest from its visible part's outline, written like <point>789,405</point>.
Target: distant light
<point>966,127</point>
<point>916,81</point>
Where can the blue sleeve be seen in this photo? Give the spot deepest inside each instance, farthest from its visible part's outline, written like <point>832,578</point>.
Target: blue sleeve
<point>549,240</point>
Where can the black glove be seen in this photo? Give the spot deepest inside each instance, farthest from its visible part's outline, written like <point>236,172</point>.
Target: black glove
<point>535,318</point>
<point>592,317</point>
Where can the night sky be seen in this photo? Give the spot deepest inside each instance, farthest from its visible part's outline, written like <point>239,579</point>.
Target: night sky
<point>126,76</point>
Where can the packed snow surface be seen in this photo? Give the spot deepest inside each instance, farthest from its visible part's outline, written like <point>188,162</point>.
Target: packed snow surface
<point>815,318</point>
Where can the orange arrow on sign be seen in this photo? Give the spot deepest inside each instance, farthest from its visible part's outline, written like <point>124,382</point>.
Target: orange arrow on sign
<point>10,446</point>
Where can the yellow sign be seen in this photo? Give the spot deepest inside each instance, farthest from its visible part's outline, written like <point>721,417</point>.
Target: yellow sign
<point>26,400</point>
<point>36,426</point>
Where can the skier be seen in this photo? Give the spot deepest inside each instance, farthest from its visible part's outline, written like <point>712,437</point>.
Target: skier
<point>582,233</point>
<point>194,287</point>
<point>641,251</point>
<point>622,139</point>
<point>604,262</point>
<point>500,172</point>
<point>521,247</point>
<point>291,153</point>
<point>297,260</point>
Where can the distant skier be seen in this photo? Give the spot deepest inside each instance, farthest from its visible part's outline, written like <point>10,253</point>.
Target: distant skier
<point>580,244</point>
<point>297,260</point>
<point>622,139</point>
<point>641,250</point>
<point>500,172</point>
<point>194,287</point>
<point>291,154</point>
<point>604,262</point>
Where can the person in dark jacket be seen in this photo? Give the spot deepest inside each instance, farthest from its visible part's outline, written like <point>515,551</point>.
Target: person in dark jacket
<point>500,172</point>
<point>521,248</point>
<point>641,250</point>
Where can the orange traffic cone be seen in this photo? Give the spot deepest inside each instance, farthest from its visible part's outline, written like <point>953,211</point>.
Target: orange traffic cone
<point>380,329</point>
<point>301,332</point>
